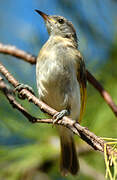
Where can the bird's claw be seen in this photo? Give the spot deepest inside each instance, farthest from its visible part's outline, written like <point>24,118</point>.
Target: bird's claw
<point>58,116</point>
<point>23,86</point>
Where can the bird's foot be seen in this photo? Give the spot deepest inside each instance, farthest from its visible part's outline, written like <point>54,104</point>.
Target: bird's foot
<point>23,86</point>
<point>58,116</point>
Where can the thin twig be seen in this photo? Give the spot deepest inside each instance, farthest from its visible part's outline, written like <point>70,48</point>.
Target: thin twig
<point>102,91</point>
<point>9,95</point>
<point>12,50</point>
<point>94,141</point>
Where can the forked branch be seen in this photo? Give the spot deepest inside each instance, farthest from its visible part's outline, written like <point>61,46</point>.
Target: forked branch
<point>12,50</point>
<point>94,141</point>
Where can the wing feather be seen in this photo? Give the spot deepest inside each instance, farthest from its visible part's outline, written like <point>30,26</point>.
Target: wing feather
<point>81,76</point>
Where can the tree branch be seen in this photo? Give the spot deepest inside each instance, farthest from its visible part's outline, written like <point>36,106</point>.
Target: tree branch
<point>9,95</point>
<point>102,91</point>
<point>12,50</point>
<point>94,141</point>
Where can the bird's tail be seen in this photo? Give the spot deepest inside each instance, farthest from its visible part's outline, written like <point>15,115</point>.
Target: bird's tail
<point>69,161</point>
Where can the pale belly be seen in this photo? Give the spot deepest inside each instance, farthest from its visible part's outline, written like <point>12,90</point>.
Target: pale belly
<point>59,88</point>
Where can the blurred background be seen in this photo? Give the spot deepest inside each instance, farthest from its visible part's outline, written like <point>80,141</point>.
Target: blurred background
<point>31,151</point>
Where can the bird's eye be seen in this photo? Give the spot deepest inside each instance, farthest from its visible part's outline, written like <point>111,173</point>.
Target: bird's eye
<point>61,21</point>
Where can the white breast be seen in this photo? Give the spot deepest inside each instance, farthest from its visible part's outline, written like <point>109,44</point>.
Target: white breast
<point>57,82</point>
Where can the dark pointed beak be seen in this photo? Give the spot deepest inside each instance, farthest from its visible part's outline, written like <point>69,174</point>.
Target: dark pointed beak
<point>44,16</point>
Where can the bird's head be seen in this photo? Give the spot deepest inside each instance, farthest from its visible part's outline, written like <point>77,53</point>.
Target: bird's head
<point>58,25</point>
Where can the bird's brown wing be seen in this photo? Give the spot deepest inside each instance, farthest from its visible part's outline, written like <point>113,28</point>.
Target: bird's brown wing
<point>81,76</point>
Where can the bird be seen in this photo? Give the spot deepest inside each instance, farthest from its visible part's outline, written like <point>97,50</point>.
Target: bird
<point>61,82</point>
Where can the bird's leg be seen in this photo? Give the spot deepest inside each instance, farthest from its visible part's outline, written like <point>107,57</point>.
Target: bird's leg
<point>58,116</point>
<point>23,86</point>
